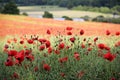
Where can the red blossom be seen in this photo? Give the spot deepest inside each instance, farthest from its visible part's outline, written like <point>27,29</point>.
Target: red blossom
<point>89,49</point>
<point>21,42</point>
<point>69,28</point>
<point>15,40</point>
<point>46,67</point>
<point>30,57</point>
<point>57,52</point>
<point>112,78</point>
<point>15,75</point>
<point>47,43</point>
<point>101,46</point>
<point>6,46</point>
<point>82,32</point>
<point>117,33</point>
<point>107,32</point>
<point>27,52</point>
<point>42,47</point>
<point>109,56</point>
<point>64,59</point>
<point>36,68</point>
<point>76,56</point>
<point>95,39</point>
<point>69,33</point>
<point>42,41</point>
<point>49,50</point>
<point>9,62</point>
<point>62,74</point>
<point>30,41</point>
<point>82,46</point>
<point>117,44</point>
<point>61,45</point>
<point>20,56</point>
<point>48,31</point>
<point>72,39</point>
<point>80,74</point>
<point>12,53</point>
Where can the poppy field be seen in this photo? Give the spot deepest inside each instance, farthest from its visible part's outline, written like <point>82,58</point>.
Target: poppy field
<point>58,53</point>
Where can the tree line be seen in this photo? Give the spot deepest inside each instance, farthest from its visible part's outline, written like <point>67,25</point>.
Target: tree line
<point>67,3</point>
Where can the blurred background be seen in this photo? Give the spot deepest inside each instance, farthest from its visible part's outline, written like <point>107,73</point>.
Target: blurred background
<point>76,10</point>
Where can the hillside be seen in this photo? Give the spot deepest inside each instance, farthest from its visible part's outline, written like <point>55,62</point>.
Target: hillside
<point>10,25</point>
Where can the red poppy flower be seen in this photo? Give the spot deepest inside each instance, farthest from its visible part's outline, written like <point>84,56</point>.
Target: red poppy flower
<point>20,56</point>
<point>48,31</point>
<point>112,78</point>
<point>117,44</point>
<point>95,39</point>
<point>42,41</point>
<point>12,53</point>
<point>6,46</point>
<point>61,45</point>
<point>117,33</point>
<point>36,68</point>
<point>30,57</point>
<point>64,59</point>
<point>69,28</point>
<point>72,39</point>
<point>42,47</point>
<point>15,75</point>
<point>49,50</point>
<point>82,46</point>
<point>46,67</point>
<point>15,40</point>
<point>27,52</point>
<point>101,46</point>
<point>107,32</point>
<point>47,43</point>
<point>81,32</point>
<point>62,74</point>
<point>30,41</point>
<point>67,47</point>
<point>21,42</point>
<point>89,49</point>
<point>107,48</point>
<point>69,33</point>
<point>109,56</point>
<point>57,52</point>
<point>9,62</point>
<point>76,56</point>
<point>80,74</point>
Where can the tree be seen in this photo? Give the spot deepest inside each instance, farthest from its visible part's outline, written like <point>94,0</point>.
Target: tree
<point>10,8</point>
<point>47,15</point>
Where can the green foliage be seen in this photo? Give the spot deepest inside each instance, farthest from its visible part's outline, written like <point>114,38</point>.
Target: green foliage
<point>25,14</point>
<point>47,15</point>
<point>86,18</point>
<point>10,8</point>
<point>67,18</point>
<point>65,3</point>
<point>98,9</point>
<point>103,19</point>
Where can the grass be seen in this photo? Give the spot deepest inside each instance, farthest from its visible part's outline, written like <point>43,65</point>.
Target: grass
<point>59,12</point>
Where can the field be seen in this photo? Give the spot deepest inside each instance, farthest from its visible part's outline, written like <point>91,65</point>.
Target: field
<point>59,12</point>
<point>47,49</point>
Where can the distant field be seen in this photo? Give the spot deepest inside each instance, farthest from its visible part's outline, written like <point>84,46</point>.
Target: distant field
<point>59,12</point>
<point>10,24</point>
